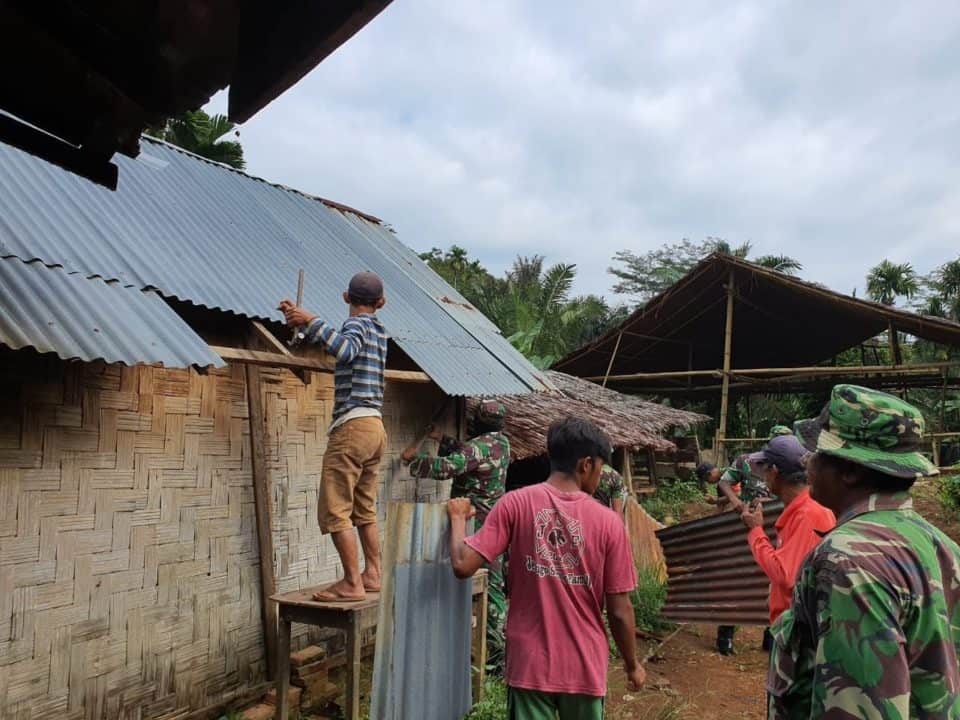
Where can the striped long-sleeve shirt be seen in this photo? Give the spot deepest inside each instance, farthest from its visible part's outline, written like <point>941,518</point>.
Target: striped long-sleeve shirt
<point>360,348</point>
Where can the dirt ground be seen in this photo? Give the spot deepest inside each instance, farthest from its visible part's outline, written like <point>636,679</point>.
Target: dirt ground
<point>689,679</point>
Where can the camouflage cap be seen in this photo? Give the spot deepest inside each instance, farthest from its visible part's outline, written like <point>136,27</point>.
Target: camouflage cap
<point>489,412</point>
<point>870,428</point>
<point>778,430</point>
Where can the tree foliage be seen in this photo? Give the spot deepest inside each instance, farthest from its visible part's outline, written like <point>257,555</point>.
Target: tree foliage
<point>646,275</point>
<point>202,135</point>
<point>531,304</point>
<point>887,281</point>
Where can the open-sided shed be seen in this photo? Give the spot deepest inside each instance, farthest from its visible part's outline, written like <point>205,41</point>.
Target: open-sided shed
<point>732,328</point>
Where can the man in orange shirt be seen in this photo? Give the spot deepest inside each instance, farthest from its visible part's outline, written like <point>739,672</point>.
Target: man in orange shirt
<point>799,527</point>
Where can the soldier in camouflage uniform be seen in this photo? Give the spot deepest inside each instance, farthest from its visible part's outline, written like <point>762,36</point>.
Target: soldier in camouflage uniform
<point>778,430</point>
<point>612,491</point>
<point>874,628</point>
<point>478,468</point>
<point>738,486</point>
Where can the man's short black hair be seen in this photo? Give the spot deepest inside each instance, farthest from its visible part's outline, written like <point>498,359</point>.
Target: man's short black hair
<point>573,439</point>
<point>704,469</point>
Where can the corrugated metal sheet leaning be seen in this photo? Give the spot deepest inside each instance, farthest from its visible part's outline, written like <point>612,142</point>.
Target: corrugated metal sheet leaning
<point>200,232</point>
<point>422,663</point>
<point>82,318</point>
<point>712,576</point>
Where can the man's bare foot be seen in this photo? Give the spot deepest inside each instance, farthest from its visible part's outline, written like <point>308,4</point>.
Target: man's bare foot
<point>371,581</point>
<point>341,591</point>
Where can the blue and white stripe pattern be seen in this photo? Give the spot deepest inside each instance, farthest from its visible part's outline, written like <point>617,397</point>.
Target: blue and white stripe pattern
<point>360,348</point>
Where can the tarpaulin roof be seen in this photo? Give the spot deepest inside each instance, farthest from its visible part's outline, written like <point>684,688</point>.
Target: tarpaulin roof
<point>215,237</point>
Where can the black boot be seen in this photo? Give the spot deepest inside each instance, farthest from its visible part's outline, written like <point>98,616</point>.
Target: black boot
<point>725,639</point>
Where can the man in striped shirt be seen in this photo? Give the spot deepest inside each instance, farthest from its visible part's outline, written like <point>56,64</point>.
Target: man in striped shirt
<point>357,440</point>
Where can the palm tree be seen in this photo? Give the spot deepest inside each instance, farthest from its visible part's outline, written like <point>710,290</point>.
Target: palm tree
<point>781,263</point>
<point>888,281</point>
<point>201,134</point>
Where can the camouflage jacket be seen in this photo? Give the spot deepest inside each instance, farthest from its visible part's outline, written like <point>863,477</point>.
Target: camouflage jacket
<point>478,468</point>
<point>874,630</point>
<point>611,487</point>
<point>740,473</point>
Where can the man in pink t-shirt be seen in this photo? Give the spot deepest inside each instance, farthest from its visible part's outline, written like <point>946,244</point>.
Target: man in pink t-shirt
<point>569,557</point>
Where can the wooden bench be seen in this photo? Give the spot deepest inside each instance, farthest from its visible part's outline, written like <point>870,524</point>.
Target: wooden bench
<point>354,619</point>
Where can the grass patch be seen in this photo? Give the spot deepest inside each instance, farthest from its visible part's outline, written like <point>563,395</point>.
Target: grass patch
<point>647,601</point>
<point>494,703</point>
<point>670,498</point>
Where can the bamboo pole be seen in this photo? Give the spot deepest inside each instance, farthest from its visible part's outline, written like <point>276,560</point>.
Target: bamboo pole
<point>812,370</point>
<point>612,358</point>
<point>727,350</point>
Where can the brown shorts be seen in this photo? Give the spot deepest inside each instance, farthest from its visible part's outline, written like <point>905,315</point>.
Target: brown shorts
<point>348,483</point>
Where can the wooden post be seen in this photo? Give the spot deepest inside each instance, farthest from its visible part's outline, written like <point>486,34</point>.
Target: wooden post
<point>626,465</point>
<point>725,388</point>
<point>283,670</point>
<point>261,495</point>
<point>894,343</point>
<point>652,462</point>
<point>613,357</point>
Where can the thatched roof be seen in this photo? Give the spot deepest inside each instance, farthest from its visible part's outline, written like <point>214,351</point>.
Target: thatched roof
<point>627,420</point>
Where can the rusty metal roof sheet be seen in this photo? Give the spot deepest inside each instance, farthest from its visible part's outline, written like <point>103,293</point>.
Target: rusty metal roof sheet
<point>422,663</point>
<point>712,576</point>
<point>52,310</point>
<point>218,238</point>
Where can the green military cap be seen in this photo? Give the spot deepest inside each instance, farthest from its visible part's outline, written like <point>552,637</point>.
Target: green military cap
<point>870,428</point>
<point>778,430</point>
<point>490,412</point>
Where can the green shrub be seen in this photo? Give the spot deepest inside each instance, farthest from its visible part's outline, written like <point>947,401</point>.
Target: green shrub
<point>494,703</point>
<point>648,599</point>
<point>670,498</point>
<point>950,491</point>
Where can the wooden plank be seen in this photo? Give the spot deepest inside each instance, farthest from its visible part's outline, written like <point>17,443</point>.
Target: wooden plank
<point>294,362</point>
<point>260,331</point>
<point>261,493</point>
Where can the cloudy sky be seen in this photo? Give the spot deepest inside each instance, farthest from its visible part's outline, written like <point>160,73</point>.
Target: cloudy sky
<point>825,131</point>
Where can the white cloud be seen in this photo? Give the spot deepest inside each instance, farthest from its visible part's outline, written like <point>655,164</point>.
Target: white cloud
<point>826,132</point>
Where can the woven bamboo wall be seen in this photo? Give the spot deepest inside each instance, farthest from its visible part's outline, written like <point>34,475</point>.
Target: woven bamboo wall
<point>129,584</point>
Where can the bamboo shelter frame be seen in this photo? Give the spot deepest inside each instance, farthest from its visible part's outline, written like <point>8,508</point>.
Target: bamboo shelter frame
<point>765,315</point>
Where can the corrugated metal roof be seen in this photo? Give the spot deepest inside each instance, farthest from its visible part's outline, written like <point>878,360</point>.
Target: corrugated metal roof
<point>422,664</point>
<point>712,576</point>
<point>204,233</point>
<point>53,310</point>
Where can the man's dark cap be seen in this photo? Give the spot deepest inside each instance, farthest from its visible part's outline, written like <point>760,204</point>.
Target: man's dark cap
<point>365,287</point>
<point>784,451</point>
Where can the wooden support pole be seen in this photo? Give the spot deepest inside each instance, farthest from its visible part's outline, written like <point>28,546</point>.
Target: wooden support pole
<point>613,357</point>
<point>727,351</point>
<point>261,496</point>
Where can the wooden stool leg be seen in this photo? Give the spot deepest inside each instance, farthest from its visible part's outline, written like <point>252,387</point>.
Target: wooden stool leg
<point>354,638</point>
<point>283,670</point>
